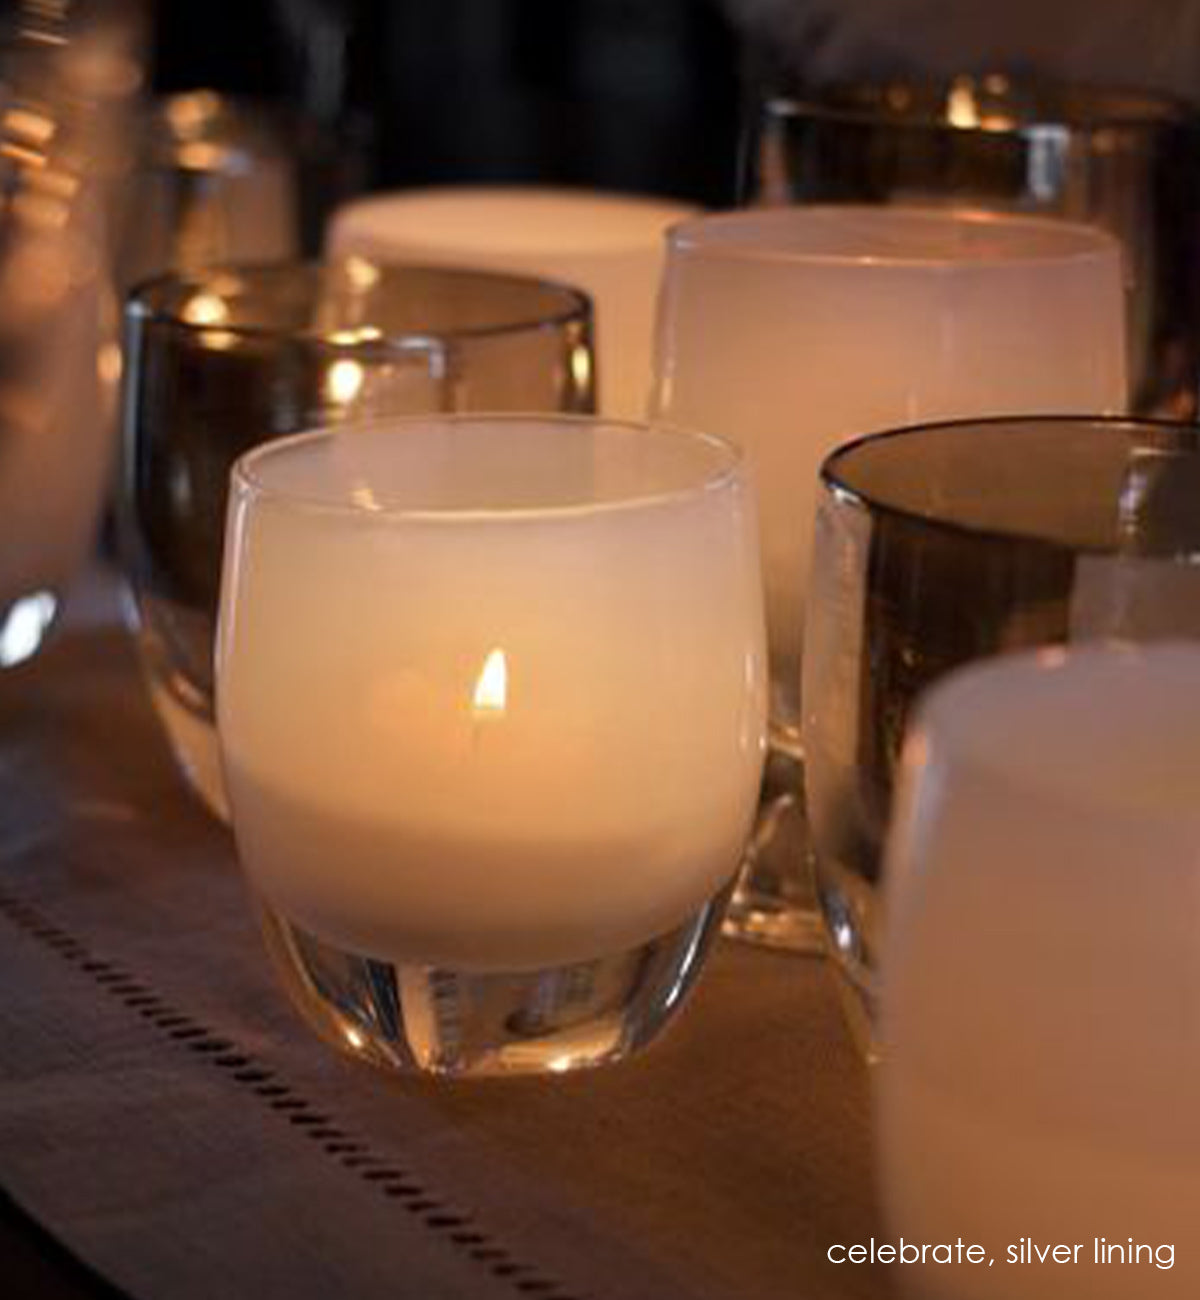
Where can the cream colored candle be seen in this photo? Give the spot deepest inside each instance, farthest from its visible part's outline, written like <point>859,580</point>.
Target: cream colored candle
<point>609,245</point>
<point>1041,1043</point>
<point>491,692</point>
<point>790,330</point>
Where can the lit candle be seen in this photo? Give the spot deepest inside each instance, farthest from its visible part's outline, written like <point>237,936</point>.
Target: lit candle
<point>790,330</point>
<point>609,245</point>
<point>503,711</point>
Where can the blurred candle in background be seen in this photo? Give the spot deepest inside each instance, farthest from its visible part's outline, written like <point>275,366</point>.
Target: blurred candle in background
<point>609,245</point>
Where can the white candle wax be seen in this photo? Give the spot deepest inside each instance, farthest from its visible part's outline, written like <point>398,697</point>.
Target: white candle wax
<point>491,737</point>
<point>1040,967</point>
<point>609,245</point>
<point>791,330</point>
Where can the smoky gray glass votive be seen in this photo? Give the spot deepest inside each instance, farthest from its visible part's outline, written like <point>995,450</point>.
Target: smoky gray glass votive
<point>223,360</point>
<point>942,544</point>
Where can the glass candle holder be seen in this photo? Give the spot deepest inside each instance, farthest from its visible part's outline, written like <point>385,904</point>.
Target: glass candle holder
<point>228,358</point>
<point>1039,1004</point>
<point>217,180</point>
<point>1122,160</point>
<point>491,696</point>
<point>67,80</point>
<point>790,330</point>
<point>610,245</point>
<point>942,544</point>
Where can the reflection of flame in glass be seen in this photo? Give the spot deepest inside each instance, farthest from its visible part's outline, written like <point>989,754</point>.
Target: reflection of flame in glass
<point>108,364</point>
<point>969,110</point>
<point>24,626</point>
<point>343,382</point>
<point>491,690</point>
<point>191,113</point>
<point>356,334</point>
<point>361,273</point>
<point>581,366</point>
<point>961,109</point>
<point>29,125</point>
<point>363,497</point>
<point>202,156</point>
<point>205,308</point>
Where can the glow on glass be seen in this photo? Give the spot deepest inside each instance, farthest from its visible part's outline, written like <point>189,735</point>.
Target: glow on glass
<point>581,366</point>
<point>361,273</point>
<point>23,629</point>
<point>205,308</point>
<point>344,381</point>
<point>491,689</point>
<point>108,364</point>
<point>356,334</point>
<point>961,110</point>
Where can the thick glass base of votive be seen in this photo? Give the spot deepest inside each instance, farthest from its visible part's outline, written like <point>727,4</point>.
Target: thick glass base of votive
<point>774,899</point>
<point>426,1019</point>
<point>850,903</point>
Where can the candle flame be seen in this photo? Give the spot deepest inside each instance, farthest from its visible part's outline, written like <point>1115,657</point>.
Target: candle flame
<point>491,690</point>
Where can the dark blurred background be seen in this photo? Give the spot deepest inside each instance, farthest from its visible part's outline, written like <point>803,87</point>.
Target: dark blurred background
<point>637,95</point>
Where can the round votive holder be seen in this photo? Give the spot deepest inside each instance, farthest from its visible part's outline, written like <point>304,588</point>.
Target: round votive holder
<point>491,702</point>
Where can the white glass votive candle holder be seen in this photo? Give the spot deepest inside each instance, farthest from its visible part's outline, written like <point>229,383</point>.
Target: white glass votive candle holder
<point>491,700</point>
<point>1037,1087</point>
<point>790,330</point>
<point>609,245</point>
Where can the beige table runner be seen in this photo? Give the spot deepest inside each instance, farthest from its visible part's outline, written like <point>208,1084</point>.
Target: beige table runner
<point>164,1114</point>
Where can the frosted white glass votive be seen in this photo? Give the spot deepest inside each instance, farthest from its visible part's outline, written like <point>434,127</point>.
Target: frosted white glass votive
<point>1040,974</point>
<point>609,245</point>
<point>791,330</point>
<point>491,698</point>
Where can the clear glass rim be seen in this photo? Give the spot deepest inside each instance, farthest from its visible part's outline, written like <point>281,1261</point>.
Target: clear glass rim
<point>1104,107</point>
<point>835,484</point>
<point>246,476</point>
<point>691,237</point>
<point>152,301</point>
